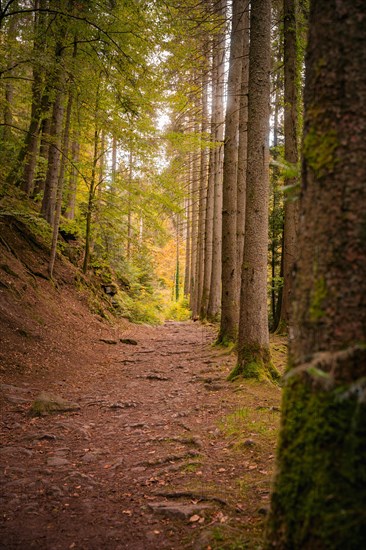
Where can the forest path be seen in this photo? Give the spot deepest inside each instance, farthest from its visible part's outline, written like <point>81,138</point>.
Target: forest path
<point>163,452</point>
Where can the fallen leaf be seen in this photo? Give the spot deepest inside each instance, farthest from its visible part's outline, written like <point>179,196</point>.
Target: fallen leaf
<point>156,532</point>
<point>253,467</point>
<point>106,466</point>
<point>221,470</point>
<point>127,512</point>
<point>194,518</point>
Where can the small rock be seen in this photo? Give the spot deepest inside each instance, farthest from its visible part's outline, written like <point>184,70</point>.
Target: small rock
<point>181,511</point>
<point>46,403</point>
<point>213,387</point>
<point>108,341</point>
<point>57,461</point>
<point>89,458</point>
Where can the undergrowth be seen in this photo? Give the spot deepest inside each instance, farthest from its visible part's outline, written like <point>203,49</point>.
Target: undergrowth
<point>133,290</point>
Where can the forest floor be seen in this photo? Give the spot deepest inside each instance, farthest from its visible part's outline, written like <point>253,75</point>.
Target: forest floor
<point>161,451</point>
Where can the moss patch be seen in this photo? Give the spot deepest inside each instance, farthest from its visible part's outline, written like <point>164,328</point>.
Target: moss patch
<point>255,362</point>
<point>318,296</point>
<point>319,498</point>
<point>319,151</point>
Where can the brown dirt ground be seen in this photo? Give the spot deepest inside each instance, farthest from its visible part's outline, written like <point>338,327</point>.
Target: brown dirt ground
<point>163,452</point>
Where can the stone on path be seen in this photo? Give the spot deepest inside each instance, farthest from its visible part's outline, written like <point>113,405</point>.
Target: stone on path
<point>57,461</point>
<point>177,510</point>
<point>47,403</point>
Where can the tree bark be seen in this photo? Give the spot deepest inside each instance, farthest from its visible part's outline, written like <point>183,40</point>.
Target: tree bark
<point>229,287</point>
<point>71,192</point>
<point>194,226</point>
<point>129,207</point>
<point>319,494</point>
<point>243,146</point>
<point>253,345</point>
<point>210,198</point>
<point>202,200</point>
<point>214,300</point>
<point>291,76</point>
<point>188,246</point>
<point>57,84</point>
<point>60,185</point>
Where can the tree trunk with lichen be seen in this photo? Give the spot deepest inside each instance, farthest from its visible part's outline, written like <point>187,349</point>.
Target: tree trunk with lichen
<point>319,496</point>
<point>253,346</point>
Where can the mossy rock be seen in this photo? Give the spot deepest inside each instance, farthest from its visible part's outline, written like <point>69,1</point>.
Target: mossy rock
<point>47,403</point>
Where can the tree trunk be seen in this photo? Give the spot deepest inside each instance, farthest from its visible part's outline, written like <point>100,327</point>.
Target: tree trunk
<point>39,183</point>
<point>188,247</point>
<point>213,308</point>
<point>253,346</point>
<point>291,74</point>
<point>202,201</point>
<point>229,287</point>
<point>209,200</point>
<point>194,226</point>
<point>243,146</point>
<point>57,83</point>
<point>129,208</point>
<point>91,198</point>
<point>71,192</point>
<point>320,491</point>
<point>60,186</point>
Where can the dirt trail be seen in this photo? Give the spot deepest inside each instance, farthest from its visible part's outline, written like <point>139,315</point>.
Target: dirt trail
<point>153,458</point>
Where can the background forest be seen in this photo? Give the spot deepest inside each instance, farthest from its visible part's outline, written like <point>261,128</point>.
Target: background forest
<point>113,131</point>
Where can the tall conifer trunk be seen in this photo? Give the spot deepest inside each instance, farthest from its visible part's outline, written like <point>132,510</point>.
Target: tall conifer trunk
<point>202,198</point>
<point>253,346</point>
<point>291,76</point>
<point>243,146</point>
<point>214,300</point>
<point>210,196</point>
<point>230,266</point>
<point>320,489</point>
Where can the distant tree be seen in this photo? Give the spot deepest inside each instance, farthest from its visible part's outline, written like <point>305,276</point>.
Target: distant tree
<point>319,494</point>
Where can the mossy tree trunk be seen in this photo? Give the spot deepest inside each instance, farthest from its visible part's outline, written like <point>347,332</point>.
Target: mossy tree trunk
<point>253,345</point>
<point>319,496</point>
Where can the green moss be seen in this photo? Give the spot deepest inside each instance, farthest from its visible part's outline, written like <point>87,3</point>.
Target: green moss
<point>255,362</point>
<point>318,296</point>
<point>319,151</point>
<point>319,497</point>
<point>225,342</point>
